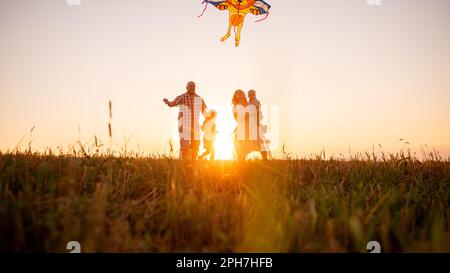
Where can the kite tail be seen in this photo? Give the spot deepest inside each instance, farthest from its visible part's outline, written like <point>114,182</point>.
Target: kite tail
<point>206,5</point>
<point>265,17</point>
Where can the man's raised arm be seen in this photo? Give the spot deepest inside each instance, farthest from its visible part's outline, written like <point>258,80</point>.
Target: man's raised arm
<point>173,103</point>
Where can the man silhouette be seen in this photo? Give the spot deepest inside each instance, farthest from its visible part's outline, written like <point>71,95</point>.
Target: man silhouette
<point>262,142</point>
<point>190,106</point>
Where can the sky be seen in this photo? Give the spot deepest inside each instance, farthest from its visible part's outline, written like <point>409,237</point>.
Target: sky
<point>344,75</point>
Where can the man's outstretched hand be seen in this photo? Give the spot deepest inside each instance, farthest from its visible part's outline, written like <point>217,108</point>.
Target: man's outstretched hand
<point>166,101</point>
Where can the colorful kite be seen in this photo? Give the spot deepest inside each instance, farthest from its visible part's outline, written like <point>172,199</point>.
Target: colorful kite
<point>238,9</point>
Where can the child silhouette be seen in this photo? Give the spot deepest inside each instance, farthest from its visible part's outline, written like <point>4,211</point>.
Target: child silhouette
<point>209,135</point>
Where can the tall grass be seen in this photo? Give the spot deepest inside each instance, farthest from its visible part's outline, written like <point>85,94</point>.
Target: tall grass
<point>159,204</point>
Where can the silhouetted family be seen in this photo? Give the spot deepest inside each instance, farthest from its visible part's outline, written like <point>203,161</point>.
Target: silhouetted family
<point>249,134</point>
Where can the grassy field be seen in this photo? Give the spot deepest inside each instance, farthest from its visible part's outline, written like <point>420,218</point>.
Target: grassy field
<point>125,204</point>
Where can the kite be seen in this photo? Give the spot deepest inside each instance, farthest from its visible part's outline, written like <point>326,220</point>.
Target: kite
<point>238,9</point>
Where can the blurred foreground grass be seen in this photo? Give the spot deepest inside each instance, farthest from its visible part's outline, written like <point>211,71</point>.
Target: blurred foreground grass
<point>123,204</point>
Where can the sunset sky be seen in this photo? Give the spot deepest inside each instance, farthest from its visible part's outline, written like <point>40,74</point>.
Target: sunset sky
<point>342,73</point>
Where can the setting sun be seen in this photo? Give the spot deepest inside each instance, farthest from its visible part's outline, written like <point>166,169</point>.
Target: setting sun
<point>224,142</point>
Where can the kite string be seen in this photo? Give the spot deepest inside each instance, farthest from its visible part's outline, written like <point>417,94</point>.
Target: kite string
<point>265,17</point>
<point>206,5</point>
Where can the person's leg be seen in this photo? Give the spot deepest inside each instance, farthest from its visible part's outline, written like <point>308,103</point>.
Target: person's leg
<point>213,154</point>
<point>264,155</point>
<point>237,150</point>
<point>241,155</point>
<point>195,146</point>
<point>184,149</point>
<point>205,153</point>
<point>264,145</point>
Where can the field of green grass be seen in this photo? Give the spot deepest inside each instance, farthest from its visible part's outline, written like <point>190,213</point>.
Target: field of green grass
<point>126,204</point>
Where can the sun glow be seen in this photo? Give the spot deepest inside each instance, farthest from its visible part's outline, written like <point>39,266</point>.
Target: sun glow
<point>225,125</point>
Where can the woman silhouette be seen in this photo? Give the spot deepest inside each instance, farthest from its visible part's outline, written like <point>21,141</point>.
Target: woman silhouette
<point>245,134</point>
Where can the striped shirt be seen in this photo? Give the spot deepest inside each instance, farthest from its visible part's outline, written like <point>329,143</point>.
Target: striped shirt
<point>189,115</point>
